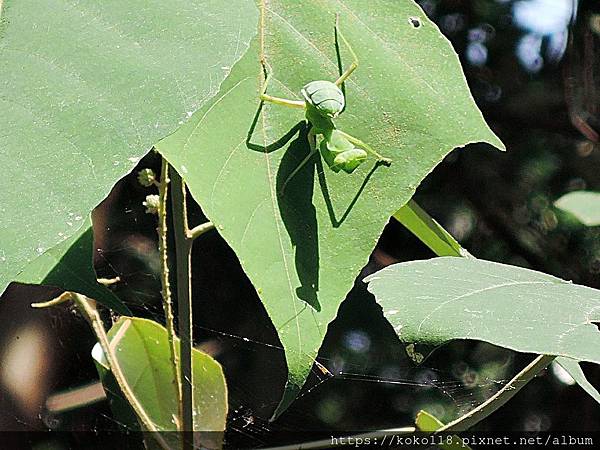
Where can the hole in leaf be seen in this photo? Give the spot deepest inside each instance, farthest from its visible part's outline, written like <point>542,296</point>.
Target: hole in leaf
<point>414,21</point>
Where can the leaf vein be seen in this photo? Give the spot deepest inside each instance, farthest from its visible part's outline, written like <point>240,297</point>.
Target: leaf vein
<point>475,292</point>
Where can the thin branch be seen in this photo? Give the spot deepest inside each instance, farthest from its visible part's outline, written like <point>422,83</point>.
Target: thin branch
<point>166,288</point>
<point>87,307</point>
<point>199,230</point>
<point>108,281</point>
<point>183,250</point>
<point>499,398</point>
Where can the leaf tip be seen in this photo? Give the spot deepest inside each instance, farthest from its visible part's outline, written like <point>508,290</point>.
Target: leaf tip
<point>496,142</point>
<point>289,395</point>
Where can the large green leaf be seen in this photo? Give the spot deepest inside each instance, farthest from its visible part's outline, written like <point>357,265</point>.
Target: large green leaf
<point>142,349</point>
<point>302,248</point>
<point>68,265</point>
<point>584,205</point>
<point>86,88</point>
<point>437,300</point>
<point>443,244</point>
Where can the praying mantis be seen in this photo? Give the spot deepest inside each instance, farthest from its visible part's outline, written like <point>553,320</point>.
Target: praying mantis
<point>323,102</point>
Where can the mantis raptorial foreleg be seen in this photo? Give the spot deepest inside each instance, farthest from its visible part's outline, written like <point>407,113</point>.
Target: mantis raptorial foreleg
<point>368,148</point>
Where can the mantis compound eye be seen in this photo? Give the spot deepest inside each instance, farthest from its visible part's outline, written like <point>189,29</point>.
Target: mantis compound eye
<point>325,97</point>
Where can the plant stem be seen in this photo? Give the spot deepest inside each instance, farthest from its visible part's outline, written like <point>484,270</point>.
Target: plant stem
<point>183,250</point>
<point>166,287</point>
<point>499,398</point>
<point>86,306</point>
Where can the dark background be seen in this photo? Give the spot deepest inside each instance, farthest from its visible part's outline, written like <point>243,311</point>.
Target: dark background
<point>533,68</point>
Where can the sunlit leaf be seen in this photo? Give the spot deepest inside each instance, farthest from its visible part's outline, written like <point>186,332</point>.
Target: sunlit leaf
<point>86,89</point>
<point>303,246</point>
<point>142,349</point>
<point>437,300</point>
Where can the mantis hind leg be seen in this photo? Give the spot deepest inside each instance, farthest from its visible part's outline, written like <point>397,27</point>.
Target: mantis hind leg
<point>354,65</point>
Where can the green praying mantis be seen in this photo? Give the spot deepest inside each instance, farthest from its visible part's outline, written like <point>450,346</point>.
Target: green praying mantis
<point>323,102</point>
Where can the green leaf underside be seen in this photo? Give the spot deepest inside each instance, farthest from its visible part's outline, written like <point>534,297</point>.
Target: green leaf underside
<point>69,266</point>
<point>142,349</point>
<point>437,300</point>
<point>86,88</point>
<point>584,205</point>
<point>303,248</point>
<point>574,369</point>
<point>431,233</point>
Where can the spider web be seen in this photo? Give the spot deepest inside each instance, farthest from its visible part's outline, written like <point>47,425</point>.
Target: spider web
<point>344,370</point>
<point>363,379</point>
<point>359,363</point>
<point>388,389</point>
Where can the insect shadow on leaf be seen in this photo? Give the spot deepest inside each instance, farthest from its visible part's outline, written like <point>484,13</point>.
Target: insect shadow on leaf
<point>317,137</point>
<point>299,215</point>
<point>325,189</point>
<point>296,208</point>
<point>276,145</point>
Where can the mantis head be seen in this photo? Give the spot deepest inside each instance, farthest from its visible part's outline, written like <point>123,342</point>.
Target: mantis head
<point>325,97</point>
